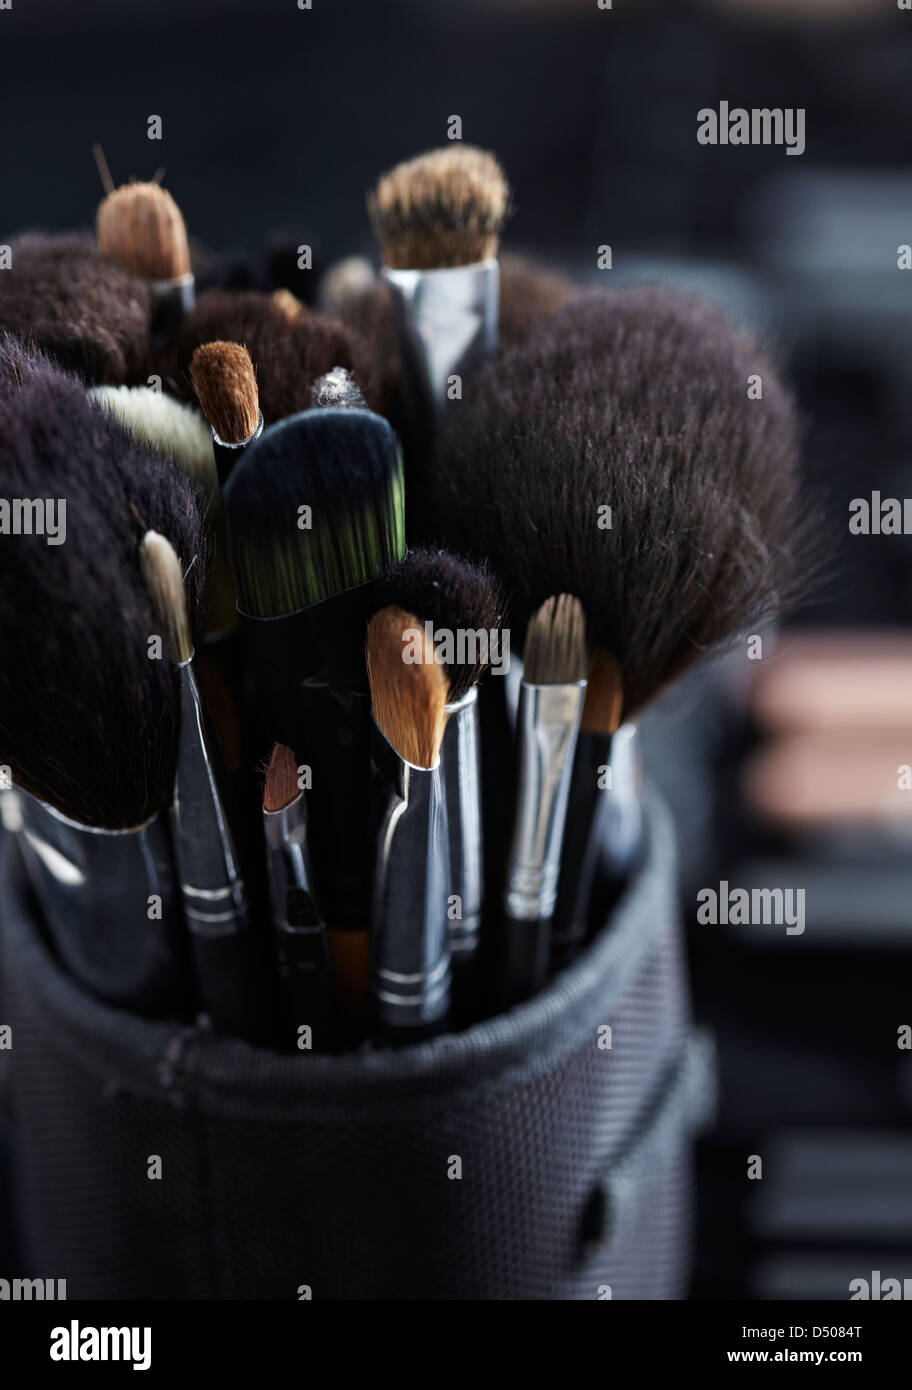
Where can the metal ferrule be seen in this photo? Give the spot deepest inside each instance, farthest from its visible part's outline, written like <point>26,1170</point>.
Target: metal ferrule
<point>227,455</point>
<point>410,963</point>
<point>287,859</point>
<point>547,724</point>
<point>169,302</point>
<point>460,758</point>
<point>446,319</point>
<point>621,822</point>
<point>94,888</point>
<point>211,885</point>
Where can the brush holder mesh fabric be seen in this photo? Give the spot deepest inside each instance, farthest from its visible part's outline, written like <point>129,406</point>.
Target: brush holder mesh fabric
<point>522,1159</point>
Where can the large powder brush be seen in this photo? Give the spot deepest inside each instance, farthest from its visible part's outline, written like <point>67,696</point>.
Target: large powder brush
<point>86,312</point>
<point>87,720</point>
<point>634,400</point>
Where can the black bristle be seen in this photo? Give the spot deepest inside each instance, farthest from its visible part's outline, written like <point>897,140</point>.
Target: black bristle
<point>346,466</point>
<point>453,594</point>
<point>637,400</point>
<point>85,312</point>
<point>87,719</point>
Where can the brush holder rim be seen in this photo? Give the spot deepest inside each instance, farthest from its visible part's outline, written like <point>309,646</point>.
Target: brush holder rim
<point>182,1063</point>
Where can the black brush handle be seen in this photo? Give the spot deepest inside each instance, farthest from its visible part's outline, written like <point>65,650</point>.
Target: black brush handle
<point>526,955</point>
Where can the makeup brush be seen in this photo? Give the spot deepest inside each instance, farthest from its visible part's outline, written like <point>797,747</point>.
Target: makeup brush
<point>223,377</point>
<point>301,944</point>
<point>551,697</point>
<point>410,966</point>
<point>290,353</point>
<point>603,834</point>
<point>88,722</point>
<point>337,390</point>
<point>290,305</point>
<point>215,905</point>
<point>438,219</point>
<point>366,309</point>
<point>85,312</point>
<point>460,602</point>
<point>315,512</point>
<point>140,227</point>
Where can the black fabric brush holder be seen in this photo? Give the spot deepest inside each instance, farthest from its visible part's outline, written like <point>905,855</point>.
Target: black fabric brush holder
<point>524,1158</point>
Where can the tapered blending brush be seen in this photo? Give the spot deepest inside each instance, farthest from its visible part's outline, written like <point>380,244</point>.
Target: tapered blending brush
<point>555,663</point>
<point>86,313</point>
<point>438,220</point>
<point>300,933</point>
<point>315,512</point>
<point>88,722</point>
<point>461,603</point>
<point>410,965</point>
<point>141,229</point>
<point>224,380</point>
<point>290,353</point>
<point>215,906</point>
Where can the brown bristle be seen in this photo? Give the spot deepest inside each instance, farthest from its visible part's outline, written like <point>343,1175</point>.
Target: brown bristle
<point>281,785</point>
<point>141,227</point>
<point>408,695</point>
<point>555,650</point>
<point>444,208</point>
<point>604,695</point>
<point>223,377</point>
<point>289,303</point>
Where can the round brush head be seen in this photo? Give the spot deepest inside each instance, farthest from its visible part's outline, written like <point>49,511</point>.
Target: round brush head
<point>88,718</point>
<point>85,312</point>
<point>141,228</point>
<point>443,208</point>
<point>457,597</point>
<point>616,455</point>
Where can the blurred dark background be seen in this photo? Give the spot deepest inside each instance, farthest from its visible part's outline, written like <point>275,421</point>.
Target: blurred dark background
<point>277,120</point>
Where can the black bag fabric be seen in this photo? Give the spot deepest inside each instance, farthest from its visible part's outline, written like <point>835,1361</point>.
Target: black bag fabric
<point>521,1159</point>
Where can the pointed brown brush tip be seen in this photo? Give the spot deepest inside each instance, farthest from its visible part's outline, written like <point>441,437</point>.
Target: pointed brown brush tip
<point>223,377</point>
<point>604,695</point>
<point>141,227</point>
<point>408,686</point>
<point>281,784</point>
<point>555,650</point>
<point>443,208</point>
<point>164,580</point>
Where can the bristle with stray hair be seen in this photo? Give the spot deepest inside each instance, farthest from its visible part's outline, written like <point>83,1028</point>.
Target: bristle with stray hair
<point>444,208</point>
<point>408,696</point>
<point>457,597</point>
<point>224,379</point>
<point>83,311</point>
<point>141,228</point>
<point>604,695</point>
<point>87,722</point>
<point>280,786</point>
<point>345,466</point>
<point>337,390</point>
<point>164,579</point>
<point>290,353</point>
<point>555,649</point>
<point>633,400</point>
